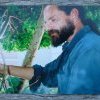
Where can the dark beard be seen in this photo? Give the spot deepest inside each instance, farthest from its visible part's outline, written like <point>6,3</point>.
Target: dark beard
<point>64,34</point>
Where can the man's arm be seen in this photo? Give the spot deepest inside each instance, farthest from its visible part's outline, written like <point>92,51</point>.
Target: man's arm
<point>22,72</point>
<point>36,74</point>
<point>46,75</point>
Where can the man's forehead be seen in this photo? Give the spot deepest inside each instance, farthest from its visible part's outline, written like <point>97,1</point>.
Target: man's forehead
<point>50,11</point>
<point>50,8</point>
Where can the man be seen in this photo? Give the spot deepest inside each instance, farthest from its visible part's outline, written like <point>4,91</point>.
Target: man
<point>77,69</point>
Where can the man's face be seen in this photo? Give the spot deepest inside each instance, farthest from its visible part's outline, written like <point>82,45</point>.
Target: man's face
<point>58,25</point>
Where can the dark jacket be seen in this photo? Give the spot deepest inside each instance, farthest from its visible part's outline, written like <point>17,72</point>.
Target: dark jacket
<point>76,70</point>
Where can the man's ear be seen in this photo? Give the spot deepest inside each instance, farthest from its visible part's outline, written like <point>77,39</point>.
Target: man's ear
<point>74,13</point>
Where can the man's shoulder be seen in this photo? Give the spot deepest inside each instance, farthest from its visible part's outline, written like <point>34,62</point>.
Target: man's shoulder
<point>91,40</point>
<point>89,43</point>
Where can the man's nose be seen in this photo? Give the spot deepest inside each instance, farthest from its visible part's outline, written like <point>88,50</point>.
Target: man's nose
<point>49,26</point>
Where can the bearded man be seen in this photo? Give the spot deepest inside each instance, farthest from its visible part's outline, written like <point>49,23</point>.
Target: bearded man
<point>77,68</point>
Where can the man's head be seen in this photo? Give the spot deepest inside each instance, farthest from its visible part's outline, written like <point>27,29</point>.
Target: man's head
<point>60,25</point>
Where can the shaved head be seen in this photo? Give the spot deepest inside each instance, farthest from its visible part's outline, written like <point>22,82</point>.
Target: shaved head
<point>50,7</point>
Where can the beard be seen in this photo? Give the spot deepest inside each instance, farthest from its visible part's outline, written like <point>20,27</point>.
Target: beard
<point>63,34</point>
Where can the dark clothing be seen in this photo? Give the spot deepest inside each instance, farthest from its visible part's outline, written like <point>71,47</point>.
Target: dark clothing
<point>76,70</point>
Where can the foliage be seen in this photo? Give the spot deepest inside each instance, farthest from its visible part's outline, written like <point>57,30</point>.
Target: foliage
<point>19,39</point>
<point>46,41</point>
<point>93,12</point>
<point>13,84</point>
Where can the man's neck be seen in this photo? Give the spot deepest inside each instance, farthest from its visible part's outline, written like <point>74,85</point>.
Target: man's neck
<point>77,29</point>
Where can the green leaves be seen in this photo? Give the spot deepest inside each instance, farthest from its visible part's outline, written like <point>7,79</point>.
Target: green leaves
<point>46,40</point>
<point>13,83</point>
<point>93,13</point>
<point>20,39</point>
